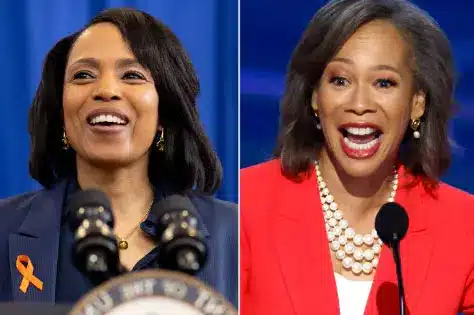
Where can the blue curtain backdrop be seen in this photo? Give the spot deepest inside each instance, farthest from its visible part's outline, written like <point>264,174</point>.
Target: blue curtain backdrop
<point>270,31</point>
<point>29,28</point>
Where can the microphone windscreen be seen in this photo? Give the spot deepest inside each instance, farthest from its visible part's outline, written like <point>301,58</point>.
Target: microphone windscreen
<point>391,223</point>
<point>173,203</point>
<point>88,198</point>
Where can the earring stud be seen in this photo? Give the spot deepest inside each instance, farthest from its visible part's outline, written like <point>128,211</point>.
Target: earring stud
<point>161,142</point>
<point>65,141</point>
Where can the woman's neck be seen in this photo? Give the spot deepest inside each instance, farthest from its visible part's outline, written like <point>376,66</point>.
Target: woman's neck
<point>128,188</point>
<point>363,194</point>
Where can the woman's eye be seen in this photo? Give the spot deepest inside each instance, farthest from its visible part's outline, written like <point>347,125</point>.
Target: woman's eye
<point>133,75</point>
<point>82,75</point>
<point>339,81</point>
<point>385,83</point>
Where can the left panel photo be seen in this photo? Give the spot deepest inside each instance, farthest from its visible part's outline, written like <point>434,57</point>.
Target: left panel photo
<point>119,171</point>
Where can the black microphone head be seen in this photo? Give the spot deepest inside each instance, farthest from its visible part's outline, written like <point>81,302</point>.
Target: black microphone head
<point>173,203</point>
<point>183,245</point>
<point>95,248</point>
<point>89,198</point>
<point>391,223</point>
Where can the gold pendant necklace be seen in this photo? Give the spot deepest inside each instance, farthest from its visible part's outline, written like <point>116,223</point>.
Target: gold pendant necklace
<point>123,244</point>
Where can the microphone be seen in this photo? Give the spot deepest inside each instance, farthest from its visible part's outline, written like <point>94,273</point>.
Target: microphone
<point>182,245</point>
<point>391,224</point>
<point>95,250</point>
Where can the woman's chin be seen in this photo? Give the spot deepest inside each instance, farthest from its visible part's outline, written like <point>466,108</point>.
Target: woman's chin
<point>109,160</point>
<point>361,169</point>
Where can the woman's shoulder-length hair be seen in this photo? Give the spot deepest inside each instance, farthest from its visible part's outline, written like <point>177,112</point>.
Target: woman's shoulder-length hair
<point>188,161</point>
<point>299,140</point>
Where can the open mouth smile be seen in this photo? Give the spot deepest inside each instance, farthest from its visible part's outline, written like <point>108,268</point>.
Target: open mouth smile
<point>360,140</point>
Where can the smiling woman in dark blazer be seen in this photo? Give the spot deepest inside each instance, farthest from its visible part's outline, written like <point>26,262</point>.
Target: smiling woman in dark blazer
<point>363,122</point>
<point>115,110</point>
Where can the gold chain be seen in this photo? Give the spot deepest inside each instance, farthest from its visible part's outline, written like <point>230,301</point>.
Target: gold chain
<point>123,244</point>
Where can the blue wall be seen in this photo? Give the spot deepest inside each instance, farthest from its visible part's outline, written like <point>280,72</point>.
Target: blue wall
<point>29,28</point>
<point>271,29</point>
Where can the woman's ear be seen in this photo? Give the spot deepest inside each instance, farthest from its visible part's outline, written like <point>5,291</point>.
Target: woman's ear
<point>418,105</point>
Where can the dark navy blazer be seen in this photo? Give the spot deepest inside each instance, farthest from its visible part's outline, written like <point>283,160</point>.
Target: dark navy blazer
<point>31,223</point>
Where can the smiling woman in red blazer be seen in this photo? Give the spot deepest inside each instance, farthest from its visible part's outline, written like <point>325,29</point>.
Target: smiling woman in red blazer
<point>364,122</point>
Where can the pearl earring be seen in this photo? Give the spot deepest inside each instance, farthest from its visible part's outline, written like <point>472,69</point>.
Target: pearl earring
<point>415,124</point>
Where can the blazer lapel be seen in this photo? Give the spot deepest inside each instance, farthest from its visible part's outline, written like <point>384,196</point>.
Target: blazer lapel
<point>38,238</point>
<point>305,264</point>
<point>415,250</point>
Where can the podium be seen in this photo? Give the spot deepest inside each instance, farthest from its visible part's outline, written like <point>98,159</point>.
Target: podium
<point>34,308</point>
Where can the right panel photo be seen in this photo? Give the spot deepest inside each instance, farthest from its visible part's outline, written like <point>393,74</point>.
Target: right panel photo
<point>356,194</point>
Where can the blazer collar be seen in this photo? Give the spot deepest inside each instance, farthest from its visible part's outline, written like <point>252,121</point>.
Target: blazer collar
<point>302,247</point>
<point>38,238</point>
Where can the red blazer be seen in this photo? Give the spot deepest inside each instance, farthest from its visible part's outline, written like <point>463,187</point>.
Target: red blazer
<point>285,261</point>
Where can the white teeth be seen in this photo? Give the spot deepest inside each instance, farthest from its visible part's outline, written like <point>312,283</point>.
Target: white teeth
<point>107,118</point>
<point>360,131</point>
<point>360,146</point>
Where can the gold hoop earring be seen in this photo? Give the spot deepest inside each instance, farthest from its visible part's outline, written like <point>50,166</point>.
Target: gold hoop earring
<point>160,144</point>
<point>65,140</point>
<point>415,125</point>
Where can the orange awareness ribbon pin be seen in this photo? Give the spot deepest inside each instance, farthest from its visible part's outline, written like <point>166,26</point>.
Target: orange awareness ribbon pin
<point>27,273</point>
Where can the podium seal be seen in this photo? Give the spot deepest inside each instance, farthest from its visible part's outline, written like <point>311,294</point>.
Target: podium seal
<point>153,292</point>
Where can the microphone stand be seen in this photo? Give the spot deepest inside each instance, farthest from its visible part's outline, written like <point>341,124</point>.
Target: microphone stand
<point>398,266</point>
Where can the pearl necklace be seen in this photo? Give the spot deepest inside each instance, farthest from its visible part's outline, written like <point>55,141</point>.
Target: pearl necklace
<point>344,242</point>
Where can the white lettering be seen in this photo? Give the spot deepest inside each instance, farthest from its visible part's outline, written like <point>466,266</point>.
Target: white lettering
<point>175,289</point>
<point>90,310</point>
<point>208,304</point>
<point>149,286</point>
<point>203,297</point>
<point>138,288</point>
<point>103,302</point>
<point>213,307</point>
